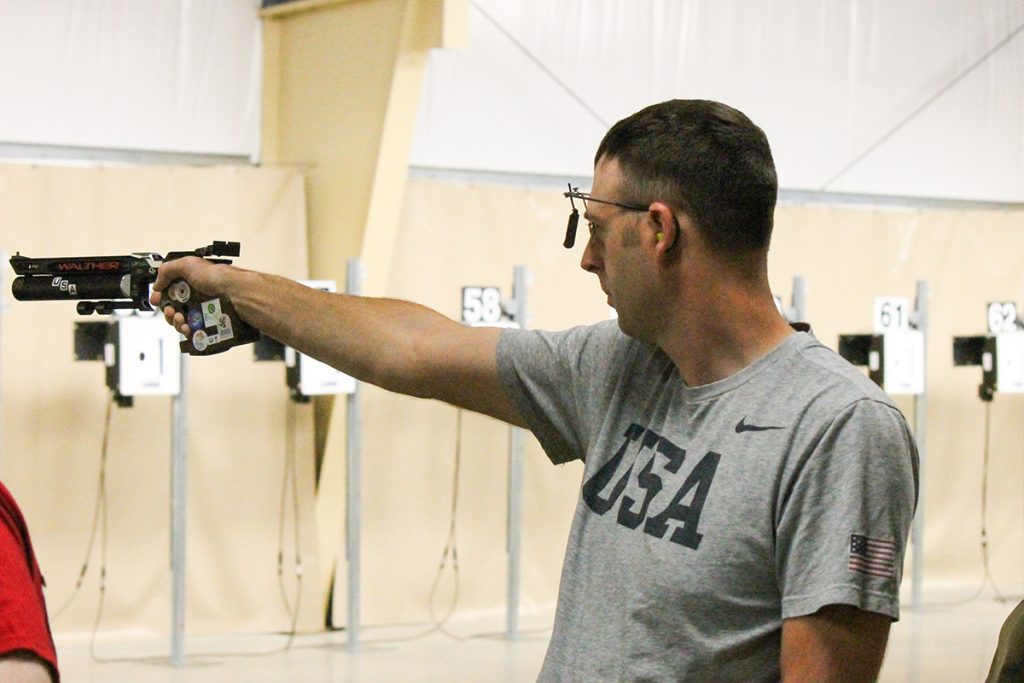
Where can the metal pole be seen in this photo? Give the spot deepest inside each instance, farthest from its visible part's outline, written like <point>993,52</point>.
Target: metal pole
<point>515,530</point>
<point>799,299</point>
<point>515,482</point>
<point>353,485</point>
<point>178,503</point>
<point>920,432</point>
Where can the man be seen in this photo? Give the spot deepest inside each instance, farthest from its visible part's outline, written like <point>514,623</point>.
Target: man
<point>746,494</point>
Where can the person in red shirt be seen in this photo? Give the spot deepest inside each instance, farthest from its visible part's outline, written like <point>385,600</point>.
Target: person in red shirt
<point>27,653</point>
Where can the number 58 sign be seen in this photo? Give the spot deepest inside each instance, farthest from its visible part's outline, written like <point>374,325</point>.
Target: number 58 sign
<point>481,306</point>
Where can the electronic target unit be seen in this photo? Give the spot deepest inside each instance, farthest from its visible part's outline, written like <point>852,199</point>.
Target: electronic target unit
<point>895,353</point>
<point>1000,353</point>
<point>140,351</point>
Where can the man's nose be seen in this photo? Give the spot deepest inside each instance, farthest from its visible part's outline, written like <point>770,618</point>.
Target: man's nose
<point>589,262</point>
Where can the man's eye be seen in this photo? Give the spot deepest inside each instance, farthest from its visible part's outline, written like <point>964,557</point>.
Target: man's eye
<point>593,229</point>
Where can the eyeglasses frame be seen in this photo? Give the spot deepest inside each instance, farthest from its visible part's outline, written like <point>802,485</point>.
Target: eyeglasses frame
<point>574,217</point>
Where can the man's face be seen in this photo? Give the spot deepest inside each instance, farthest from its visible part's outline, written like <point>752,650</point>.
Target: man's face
<point>613,251</point>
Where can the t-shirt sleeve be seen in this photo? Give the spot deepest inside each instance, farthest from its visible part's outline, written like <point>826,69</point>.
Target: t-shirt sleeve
<point>554,379</point>
<point>845,514</point>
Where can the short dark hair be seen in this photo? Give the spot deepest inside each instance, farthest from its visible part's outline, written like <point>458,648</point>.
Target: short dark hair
<point>705,158</point>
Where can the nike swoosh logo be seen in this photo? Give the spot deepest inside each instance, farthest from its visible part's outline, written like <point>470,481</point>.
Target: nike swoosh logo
<point>742,426</point>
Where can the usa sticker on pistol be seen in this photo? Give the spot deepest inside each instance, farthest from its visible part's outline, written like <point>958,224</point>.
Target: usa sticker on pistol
<point>200,341</point>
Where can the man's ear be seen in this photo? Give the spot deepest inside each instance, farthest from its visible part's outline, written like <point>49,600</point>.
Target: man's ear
<point>666,227</point>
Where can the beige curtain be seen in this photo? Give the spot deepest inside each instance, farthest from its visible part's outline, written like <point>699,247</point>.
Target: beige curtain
<point>451,235</point>
<point>238,420</point>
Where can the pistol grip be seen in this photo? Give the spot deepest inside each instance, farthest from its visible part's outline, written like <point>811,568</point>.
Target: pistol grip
<point>214,324</point>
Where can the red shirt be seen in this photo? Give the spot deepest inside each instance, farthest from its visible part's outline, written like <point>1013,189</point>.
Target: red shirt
<point>23,621</point>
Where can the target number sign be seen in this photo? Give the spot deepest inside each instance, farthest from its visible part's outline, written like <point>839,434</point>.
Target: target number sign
<point>1002,317</point>
<point>892,314</point>
<point>481,306</point>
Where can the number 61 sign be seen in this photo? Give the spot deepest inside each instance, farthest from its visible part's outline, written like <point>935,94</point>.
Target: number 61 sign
<point>892,314</point>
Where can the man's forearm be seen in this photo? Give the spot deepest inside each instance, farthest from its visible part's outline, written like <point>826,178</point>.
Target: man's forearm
<point>374,340</point>
<point>839,643</point>
<point>398,345</point>
<point>357,335</point>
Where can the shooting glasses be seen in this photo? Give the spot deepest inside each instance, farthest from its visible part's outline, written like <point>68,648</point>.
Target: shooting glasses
<point>574,217</point>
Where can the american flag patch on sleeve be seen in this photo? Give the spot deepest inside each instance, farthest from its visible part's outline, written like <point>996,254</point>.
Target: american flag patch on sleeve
<point>872,557</point>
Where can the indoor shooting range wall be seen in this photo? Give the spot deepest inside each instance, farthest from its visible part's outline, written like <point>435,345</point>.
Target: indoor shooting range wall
<point>450,234</point>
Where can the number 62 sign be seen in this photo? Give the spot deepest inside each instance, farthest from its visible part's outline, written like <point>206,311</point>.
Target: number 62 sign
<point>1002,317</point>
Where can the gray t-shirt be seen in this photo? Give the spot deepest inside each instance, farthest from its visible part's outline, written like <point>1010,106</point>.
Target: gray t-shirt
<point>709,514</point>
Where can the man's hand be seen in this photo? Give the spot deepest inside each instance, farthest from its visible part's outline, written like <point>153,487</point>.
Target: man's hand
<point>838,643</point>
<point>210,278</point>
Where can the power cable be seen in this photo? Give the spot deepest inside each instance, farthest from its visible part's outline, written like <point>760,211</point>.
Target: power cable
<point>102,513</point>
<point>450,551</point>
<point>984,506</point>
<point>99,523</point>
<point>99,510</point>
<point>289,482</point>
<point>924,105</point>
<point>451,543</point>
<point>986,573</point>
<point>290,474</point>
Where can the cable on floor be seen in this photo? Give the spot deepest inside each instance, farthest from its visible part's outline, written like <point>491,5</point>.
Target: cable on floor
<point>99,509</point>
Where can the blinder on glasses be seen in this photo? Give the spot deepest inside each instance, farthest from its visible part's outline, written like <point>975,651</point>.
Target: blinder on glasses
<point>574,217</point>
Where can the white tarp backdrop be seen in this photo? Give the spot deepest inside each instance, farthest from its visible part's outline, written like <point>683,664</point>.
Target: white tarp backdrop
<point>931,90</point>
<point>179,76</point>
<point>917,98</point>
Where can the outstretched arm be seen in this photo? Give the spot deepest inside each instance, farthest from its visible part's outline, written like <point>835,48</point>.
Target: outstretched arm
<point>397,345</point>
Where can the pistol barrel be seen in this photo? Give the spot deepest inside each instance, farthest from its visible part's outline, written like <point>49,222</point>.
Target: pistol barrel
<point>62,287</point>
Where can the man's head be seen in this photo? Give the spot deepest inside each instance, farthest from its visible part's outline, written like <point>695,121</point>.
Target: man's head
<point>705,159</point>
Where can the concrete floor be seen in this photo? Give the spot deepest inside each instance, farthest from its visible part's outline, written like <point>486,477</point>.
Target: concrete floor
<point>944,640</point>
